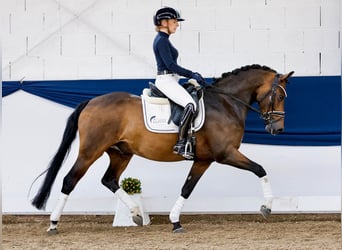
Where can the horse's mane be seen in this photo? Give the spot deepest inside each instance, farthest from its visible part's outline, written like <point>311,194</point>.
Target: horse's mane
<point>244,68</point>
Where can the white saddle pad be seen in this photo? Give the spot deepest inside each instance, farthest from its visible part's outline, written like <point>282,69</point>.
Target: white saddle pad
<point>157,111</point>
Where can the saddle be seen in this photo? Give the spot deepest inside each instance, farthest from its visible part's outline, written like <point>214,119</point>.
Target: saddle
<point>162,115</point>
<point>177,110</point>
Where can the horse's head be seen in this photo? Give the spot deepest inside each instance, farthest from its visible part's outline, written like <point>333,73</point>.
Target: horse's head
<point>271,96</point>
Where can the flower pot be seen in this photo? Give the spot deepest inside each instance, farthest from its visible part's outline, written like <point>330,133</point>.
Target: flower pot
<point>123,216</point>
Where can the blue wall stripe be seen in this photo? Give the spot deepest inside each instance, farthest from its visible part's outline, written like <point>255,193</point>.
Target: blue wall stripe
<point>313,106</point>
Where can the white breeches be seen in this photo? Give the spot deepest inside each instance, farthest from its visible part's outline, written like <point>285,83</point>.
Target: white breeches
<point>168,84</point>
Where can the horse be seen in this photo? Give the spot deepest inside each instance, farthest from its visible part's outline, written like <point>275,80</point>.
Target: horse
<point>113,123</point>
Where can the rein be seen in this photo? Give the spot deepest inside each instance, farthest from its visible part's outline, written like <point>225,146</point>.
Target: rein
<point>266,116</point>
<point>218,91</point>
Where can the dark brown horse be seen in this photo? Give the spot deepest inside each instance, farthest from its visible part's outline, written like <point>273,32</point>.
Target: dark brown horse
<point>113,123</point>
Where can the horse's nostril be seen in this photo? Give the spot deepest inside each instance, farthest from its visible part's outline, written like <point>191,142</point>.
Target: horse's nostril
<point>279,130</point>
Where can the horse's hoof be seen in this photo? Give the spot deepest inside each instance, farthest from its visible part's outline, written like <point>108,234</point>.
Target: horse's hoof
<point>177,228</point>
<point>137,219</point>
<point>51,231</point>
<point>265,211</point>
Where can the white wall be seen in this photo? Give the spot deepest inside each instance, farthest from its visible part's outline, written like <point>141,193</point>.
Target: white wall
<point>86,39</point>
<point>303,178</point>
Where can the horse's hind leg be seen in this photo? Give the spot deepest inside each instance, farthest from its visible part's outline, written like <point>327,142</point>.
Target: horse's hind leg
<point>78,170</point>
<point>118,163</point>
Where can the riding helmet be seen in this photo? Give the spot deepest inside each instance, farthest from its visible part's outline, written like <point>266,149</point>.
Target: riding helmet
<point>166,13</point>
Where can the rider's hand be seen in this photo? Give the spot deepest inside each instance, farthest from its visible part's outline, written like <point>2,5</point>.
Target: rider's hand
<point>198,78</point>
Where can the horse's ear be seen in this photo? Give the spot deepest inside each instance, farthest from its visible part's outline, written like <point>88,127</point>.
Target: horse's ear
<point>286,76</point>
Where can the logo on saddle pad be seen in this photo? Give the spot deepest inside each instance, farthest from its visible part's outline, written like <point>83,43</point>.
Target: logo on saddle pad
<point>157,112</point>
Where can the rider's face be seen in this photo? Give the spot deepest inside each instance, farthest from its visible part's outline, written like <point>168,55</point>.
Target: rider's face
<point>170,25</point>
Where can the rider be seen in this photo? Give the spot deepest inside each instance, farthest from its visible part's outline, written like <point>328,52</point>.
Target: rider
<point>166,21</point>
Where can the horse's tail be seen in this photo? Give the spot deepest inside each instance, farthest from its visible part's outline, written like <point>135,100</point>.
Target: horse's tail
<point>69,135</point>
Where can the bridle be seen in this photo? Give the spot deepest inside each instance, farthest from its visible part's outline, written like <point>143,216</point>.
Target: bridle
<point>267,116</point>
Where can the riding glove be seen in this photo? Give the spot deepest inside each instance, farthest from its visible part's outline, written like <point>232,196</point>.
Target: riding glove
<point>198,78</point>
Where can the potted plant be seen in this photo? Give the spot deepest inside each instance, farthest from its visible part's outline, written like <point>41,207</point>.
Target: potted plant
<point>131,185</point>
<point>123,217</point>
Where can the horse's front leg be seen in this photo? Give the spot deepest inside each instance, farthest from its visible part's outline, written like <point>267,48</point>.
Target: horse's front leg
<point>268,196</point>
<point>196,171</point>
<point>237,159</point>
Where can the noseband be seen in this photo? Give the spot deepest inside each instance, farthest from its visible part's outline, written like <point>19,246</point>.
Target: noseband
<point>267,115</point>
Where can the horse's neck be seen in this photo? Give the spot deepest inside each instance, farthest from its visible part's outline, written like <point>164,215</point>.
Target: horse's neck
<point>228,100</point>
<point>242,89</point>
<point>239,93</point>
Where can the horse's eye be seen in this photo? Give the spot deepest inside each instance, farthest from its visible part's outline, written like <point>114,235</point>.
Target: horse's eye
<point>281,97</point>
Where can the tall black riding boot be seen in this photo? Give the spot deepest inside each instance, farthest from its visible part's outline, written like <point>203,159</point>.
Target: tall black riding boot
<point>181,146</point>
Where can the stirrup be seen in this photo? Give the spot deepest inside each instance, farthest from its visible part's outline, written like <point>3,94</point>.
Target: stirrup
<point>185,149</point>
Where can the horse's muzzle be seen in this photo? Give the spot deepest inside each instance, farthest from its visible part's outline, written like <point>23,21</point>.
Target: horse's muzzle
<point>274,121</point>
<point>275,128</point>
